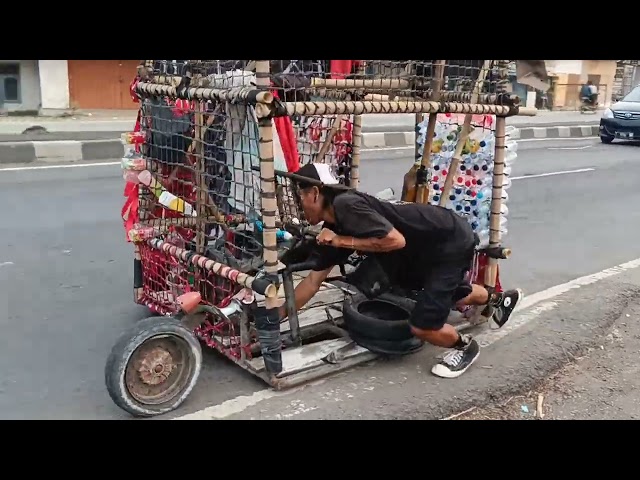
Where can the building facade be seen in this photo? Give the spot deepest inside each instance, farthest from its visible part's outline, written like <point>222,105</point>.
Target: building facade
<point>568,76</point>
<point>53,87</point>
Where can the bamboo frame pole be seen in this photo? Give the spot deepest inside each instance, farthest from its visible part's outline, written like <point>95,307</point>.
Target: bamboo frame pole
<point>260,285</point>
<point>491,271</point>
<point>464,136</point>
<point>202,194</point>
<point>356,140</point>
<point>359,108</point>
<point>267,182</point>
<point>337,123</point>
<point>359,83</point>
<point>236,94</point>
<point>422,189</point>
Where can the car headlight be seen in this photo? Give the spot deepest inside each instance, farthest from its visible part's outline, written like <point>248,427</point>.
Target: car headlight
<point>608,113</point>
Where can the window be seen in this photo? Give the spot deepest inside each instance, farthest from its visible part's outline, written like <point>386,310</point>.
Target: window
<point>10,83</point>
<point>10,89</point>
<point>9,69</point>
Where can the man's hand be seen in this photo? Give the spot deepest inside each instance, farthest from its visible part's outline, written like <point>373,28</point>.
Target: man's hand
<point>327,237</point>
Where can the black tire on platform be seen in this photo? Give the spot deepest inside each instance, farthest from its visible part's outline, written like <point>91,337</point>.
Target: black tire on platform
<point>606,139</point>
<point>383,318</point>
<point>153,367</point>
<point>389,347</point>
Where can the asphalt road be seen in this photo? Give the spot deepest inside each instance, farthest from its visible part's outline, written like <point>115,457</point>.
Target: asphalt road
<point>66,270</point>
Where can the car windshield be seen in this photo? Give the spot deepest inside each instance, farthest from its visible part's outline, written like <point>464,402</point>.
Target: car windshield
<point>633,96</point>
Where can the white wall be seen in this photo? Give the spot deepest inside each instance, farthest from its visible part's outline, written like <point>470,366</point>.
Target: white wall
<point>564,66</point>
<point>29,86</point>
<point>54,84</point>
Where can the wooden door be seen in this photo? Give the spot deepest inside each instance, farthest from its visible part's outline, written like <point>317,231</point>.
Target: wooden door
<point>101,84</point>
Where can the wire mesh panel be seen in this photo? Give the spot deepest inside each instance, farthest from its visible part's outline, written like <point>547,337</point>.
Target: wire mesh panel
<point>373,80</point>
<point>450,80</point>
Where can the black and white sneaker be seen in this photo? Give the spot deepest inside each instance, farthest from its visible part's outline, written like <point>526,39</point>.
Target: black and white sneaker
<point>457,361</point>
<point>505,306</point>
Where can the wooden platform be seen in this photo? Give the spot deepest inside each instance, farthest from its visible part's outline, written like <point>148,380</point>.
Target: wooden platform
<point>301,359</point>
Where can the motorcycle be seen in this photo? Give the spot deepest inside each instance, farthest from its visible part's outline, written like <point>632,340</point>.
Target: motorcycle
<point>589,104</point>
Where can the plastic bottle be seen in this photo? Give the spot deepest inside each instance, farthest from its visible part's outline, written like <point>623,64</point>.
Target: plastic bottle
<point>281,235</point>
<point>130,176</point>
<point>140,233</point>
<point>166,198</point>
<point>132,138</point>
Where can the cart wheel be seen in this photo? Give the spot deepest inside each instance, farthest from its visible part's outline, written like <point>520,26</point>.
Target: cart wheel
<point>153,367</point>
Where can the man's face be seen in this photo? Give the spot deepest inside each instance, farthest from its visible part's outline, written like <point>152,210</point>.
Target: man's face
<point>311,205</point>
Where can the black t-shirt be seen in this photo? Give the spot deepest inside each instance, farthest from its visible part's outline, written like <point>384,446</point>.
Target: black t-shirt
<point>433,234</point>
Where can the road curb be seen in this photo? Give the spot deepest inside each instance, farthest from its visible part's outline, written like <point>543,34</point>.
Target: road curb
<point>406,139</point>
<point>60,151</point>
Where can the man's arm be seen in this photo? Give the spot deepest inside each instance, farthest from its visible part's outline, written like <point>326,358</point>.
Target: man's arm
<point>365,229</point>
<point>306,289</point>
<point>394,240</point>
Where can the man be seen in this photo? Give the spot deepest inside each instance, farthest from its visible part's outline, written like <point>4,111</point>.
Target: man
<point>589,93</point>
<point>416,246</point>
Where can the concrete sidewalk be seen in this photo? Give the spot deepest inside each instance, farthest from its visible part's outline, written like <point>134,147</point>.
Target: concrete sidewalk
<point>96,135</point>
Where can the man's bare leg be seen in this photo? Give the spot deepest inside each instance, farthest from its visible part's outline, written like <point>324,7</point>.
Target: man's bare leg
<point>502,303</point>
<point>478,296</point>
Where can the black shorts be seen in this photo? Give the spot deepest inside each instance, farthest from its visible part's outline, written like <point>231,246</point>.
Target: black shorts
<point>446,283</point>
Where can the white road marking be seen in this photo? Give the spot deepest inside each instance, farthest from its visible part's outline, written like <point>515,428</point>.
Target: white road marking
<point>6,264</point>
<point>525,140</point>
<point>554,139</point>
<point>550,174</point>
<point>584,147</point>
<point>232,406</point>
<point>49,167</point>
<point>384,149</point>
<point>541,300</point>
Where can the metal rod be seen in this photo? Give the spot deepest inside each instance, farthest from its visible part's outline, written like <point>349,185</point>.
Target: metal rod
<point>292,312</point>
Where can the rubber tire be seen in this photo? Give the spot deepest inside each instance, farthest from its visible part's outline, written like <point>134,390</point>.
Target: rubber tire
<point>390,348</point>
<point>374,328</point>
<point>116,366</point>
<point>606,139</point>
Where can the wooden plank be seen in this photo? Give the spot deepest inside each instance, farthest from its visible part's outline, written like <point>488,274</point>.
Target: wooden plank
<point>299,359</point>
<point>324,370</point>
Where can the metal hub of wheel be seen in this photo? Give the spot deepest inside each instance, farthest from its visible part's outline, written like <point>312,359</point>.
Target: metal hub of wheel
<point>156,367</point>
<point>158,370</point>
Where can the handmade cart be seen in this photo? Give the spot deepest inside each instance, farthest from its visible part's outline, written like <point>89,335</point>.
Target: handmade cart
<point>214,217</point>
